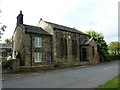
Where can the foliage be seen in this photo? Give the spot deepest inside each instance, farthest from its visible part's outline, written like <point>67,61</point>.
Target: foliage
<point>101,44</point>
<point>7,64</point>
<point>8,40</point>
<point>114,48</point>
<point>2,28</point>
<point>7,52</point>
<point>114,83</point>
<point>109,57</point>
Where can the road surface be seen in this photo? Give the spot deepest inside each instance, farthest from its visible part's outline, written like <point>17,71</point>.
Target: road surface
<point>89,77</point>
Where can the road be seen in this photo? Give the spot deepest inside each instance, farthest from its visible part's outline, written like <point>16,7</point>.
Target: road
<point>89,77</point>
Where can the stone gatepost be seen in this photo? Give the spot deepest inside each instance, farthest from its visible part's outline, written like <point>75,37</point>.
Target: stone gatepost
<point>16,65</point>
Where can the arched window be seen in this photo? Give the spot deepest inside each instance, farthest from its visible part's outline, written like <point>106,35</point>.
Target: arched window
<point>63,47</point>
<point>74,47</point>
<point>84,54</point>
<point>93,51</point>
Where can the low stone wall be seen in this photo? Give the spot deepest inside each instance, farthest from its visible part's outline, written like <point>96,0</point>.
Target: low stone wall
<point>16,65</point>
<point>73,64</point>
<point>48,67</point>
<point>36,68</point>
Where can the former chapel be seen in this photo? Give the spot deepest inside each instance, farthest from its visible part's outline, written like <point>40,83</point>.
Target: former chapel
<point>50,43</point>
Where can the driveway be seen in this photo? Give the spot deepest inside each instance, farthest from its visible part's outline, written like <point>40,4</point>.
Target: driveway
<point>88,77</point>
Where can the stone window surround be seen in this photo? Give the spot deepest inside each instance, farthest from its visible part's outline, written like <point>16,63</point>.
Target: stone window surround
<point>38,42</point>
<point>37,57</point>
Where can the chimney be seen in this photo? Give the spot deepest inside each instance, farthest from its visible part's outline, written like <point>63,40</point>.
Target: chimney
<point>20,18</point>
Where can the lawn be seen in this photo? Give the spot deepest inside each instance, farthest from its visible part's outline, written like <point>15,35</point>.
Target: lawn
<point>114,83</point>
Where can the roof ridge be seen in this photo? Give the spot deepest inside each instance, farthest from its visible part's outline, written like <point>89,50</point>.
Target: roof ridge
<point>73,29</point>
<point>60,25</point>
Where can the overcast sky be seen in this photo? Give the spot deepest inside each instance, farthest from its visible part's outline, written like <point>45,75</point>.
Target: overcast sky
<point>99,15</point>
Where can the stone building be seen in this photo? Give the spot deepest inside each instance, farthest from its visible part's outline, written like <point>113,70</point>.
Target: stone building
<point>50,43</point>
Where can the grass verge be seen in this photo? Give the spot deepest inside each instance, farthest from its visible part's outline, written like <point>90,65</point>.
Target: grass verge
<point>114,83</point>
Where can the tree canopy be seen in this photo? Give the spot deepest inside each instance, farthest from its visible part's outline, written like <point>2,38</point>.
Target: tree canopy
<point>101,44</point>
<point>114,48</point>
<point>2,29</point>
<point>8,40</point>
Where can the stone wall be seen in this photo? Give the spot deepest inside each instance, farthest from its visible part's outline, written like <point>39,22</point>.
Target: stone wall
<point>69,37</point>
<point>93,59</point>
<point>16,65</point>
<point>36,68</point>
<point>19,43</point>
<point>22,43</point>
<point>46,47</point>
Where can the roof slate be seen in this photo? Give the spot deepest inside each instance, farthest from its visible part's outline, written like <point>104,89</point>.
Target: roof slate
<point>65,28</point>
<point>34,29</point>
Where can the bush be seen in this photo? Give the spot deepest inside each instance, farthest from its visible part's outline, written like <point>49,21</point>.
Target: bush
<point>111,57</point>
<point>7,64</point>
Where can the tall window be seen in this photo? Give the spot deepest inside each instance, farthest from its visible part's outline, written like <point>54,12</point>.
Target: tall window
<point>38,42</point>
<point>63,47</point>
<point>93,52</point>
<point>37,57</point>
<point>74,47</point>
<point>84,54</point>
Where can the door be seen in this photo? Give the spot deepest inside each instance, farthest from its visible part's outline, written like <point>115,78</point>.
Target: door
<point>84,54</point>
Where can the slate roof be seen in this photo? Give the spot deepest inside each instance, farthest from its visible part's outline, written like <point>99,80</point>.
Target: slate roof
<point>34,29</point>
<point>65,28</point>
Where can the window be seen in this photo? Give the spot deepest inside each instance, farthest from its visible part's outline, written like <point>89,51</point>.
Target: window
<point>63,47</point>
<point>74,47</point>
<point>37,57</point>
<point>48,57</point>
<point>84,54</point>
<point>93,52</point>
<point>38,41</point>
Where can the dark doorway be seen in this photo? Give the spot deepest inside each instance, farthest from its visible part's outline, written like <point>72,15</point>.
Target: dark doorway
<point>22,62</point>
<point>84,54</point>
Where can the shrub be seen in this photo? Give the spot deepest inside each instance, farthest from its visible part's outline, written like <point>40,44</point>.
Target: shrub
<point>111,57</point>
<point>7,64</point>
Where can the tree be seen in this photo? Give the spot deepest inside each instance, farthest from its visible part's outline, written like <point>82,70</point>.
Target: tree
<point>101,44</point>
<point>2,29</point>
<point>8,40</point>
<point>114,48</point>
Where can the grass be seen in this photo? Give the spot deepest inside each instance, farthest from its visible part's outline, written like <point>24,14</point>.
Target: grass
<point>114,83</point>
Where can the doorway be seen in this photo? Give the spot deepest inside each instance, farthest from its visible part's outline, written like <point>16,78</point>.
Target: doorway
<point>84,54</point>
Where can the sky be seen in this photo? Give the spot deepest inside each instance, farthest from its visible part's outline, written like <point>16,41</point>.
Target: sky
<point>98,15</point>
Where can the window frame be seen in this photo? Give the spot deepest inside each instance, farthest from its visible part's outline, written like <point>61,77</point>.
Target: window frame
<point>93,51</point>
<point>38,42</point>
<point>37,57</point>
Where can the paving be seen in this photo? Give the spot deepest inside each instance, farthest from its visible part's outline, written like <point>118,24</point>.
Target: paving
<point>79,77</point>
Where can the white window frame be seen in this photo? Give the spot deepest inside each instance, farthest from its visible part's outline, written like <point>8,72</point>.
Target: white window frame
<point>37,57</point>
<point>38,42</point>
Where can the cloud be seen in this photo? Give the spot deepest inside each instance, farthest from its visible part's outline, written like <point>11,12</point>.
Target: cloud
<point>73,13</point>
